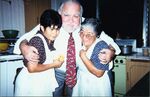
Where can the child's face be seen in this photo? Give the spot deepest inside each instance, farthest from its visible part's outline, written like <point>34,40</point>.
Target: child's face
<point>51,33</point>
<point>106,55</point>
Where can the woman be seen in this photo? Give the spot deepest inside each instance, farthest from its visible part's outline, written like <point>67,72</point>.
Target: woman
<point>38,79</point>
<point>93,79</point>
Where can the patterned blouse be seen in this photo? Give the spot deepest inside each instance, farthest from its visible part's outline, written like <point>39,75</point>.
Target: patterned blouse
<point>39,45</point>
<point>94,57</point>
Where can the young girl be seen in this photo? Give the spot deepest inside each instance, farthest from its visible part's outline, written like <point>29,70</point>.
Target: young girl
<point>38,78</point>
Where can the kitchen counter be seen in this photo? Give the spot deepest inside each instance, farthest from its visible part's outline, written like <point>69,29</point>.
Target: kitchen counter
<point>138,56</point>
<point>11,57</point>
<point>8,66</point>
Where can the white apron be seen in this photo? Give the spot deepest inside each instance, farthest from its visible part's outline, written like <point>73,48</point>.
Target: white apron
<point>90,85</point>
<point>37,84</point>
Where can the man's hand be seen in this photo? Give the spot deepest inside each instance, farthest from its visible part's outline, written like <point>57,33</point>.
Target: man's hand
<point>29,52</point>
<point>105,56</point>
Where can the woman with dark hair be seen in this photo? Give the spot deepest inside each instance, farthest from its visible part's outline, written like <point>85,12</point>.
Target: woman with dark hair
<point>96,55</point>
<point>38,79</point>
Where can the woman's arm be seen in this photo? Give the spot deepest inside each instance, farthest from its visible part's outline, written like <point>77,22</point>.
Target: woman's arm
<point>39,66</point>
<point>35,67</point>
<point>89,65</point>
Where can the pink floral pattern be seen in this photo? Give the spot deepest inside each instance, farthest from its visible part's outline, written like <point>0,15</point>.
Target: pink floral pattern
<point>71,63</point>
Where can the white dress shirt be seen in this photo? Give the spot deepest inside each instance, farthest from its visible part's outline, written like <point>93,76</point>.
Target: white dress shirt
<point>61,44</point>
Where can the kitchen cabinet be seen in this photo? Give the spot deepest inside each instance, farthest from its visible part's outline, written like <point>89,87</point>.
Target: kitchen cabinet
<point>128,70</point>
<point>33,10</point>
<point>7,75</point>
<point>120,79</point>
<point>119,70</point>
<point>136,69</point>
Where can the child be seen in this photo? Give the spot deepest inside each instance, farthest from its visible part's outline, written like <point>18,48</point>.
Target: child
<point>38,78</point>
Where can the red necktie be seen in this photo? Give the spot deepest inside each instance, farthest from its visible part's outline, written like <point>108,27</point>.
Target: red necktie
<point>71,63</point>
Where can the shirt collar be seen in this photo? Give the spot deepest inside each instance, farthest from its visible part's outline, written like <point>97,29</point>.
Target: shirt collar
<point>73,33</point>
<point>50,45</point>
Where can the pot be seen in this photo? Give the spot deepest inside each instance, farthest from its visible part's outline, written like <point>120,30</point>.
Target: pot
<point>126,50</point>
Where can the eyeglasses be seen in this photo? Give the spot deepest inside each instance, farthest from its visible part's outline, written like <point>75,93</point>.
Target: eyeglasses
<point>88,35</point>
<point>54,27</point>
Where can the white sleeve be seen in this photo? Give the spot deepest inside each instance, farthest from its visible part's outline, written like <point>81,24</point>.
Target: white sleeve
<point>26,36</point>
<point>110,65</point>
<point>109,40</point>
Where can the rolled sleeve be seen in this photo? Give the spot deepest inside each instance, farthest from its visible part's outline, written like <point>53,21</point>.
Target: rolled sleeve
<point>26,36</point>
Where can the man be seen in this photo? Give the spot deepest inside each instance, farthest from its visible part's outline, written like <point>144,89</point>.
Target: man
<point>71,13</point>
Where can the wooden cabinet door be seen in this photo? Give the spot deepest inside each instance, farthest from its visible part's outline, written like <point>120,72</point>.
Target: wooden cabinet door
<point>135,71</point>
<point>33,11</point>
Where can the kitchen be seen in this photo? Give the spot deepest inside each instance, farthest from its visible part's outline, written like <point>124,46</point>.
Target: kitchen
<point>12,16</point>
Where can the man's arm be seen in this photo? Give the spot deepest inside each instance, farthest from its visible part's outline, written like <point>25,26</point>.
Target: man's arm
<point>26,36</point>
<point>21,46</point>
<point>30,53</point>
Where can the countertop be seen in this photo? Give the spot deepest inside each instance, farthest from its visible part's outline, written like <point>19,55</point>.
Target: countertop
<point>138,56</point>
<point>134,56</point>
<point>10,57</point>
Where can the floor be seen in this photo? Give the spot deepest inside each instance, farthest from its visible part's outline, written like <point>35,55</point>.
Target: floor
<point>142,88</point>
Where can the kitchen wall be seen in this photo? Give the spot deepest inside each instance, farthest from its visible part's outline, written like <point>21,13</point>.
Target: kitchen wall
<point>55,4</point>
<point>126,19</point>
<point>12,15</point>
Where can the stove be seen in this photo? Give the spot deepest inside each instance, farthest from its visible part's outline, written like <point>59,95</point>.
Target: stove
<point>119,76</point>
<point>120,60</point>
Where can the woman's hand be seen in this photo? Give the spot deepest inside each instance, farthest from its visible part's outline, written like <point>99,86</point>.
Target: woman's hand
<point>82,53</point>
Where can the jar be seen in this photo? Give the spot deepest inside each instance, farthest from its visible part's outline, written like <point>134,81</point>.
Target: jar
<point>146,51</point>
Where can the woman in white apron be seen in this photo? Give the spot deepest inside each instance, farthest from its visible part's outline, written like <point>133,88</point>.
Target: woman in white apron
<point>92,79</point>
<point>38,79</point>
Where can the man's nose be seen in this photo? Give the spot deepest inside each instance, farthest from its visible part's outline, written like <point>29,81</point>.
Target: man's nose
<point>71,19</point>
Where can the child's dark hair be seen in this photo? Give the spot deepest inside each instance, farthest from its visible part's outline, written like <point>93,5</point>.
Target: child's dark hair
<point>50,17</point>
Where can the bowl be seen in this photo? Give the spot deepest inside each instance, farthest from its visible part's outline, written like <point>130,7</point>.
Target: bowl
<point>3,46</point>
<point>10,33</point>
